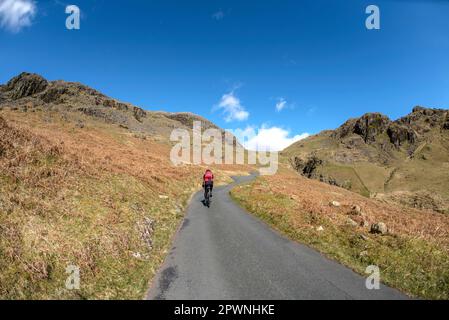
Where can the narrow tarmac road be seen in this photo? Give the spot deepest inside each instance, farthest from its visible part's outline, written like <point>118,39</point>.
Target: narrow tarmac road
<point>224,253</point>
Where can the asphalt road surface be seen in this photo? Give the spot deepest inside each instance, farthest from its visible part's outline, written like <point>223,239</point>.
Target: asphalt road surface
<point>224,253</point>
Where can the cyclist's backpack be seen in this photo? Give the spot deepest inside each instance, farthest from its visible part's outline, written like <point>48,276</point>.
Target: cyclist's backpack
<point>208,176</point>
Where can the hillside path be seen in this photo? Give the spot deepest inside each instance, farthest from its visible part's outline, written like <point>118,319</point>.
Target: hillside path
<point>224,253</point>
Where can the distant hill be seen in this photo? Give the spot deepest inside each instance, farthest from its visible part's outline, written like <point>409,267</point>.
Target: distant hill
<point>405,161</point>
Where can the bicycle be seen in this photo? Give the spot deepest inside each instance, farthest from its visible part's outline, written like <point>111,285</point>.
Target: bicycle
<point>207,193</point>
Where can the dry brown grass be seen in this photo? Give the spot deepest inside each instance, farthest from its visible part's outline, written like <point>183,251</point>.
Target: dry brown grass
<point>315,197</point>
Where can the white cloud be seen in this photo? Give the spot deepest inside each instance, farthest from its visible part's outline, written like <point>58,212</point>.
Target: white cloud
<point>16,14</point>
<point>232,108</point>
<point>281,104</point>
<point>267,138</point>
<point>219,15</point>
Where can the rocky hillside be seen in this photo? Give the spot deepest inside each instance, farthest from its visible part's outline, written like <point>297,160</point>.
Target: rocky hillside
<point>32,93</point>
<point>405,161</point>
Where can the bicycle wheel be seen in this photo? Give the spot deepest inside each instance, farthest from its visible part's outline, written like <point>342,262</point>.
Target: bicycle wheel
<point>208,197</point>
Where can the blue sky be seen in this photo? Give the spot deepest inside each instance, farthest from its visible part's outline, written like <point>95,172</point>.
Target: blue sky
<point>315,59</point>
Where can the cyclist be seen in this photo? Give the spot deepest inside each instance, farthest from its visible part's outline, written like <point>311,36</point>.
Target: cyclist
<point>208,181</point>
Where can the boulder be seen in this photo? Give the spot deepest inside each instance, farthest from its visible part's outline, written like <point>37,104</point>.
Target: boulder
<point>356,211</point>
<point>351,222</point>
<point>363,253</point>
<point>335,204</point>
<point>364,224</point>
<point>363,237</point>
<point>379,228</point>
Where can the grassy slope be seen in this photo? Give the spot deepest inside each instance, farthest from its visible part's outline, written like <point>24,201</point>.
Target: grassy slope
<point>413,257</point>
<point>427,170</point>
<point>97,197</point>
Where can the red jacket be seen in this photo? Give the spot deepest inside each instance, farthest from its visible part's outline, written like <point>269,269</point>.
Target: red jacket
<point>208,176</point>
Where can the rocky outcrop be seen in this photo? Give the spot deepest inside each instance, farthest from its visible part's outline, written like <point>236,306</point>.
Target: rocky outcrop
<point>369,126</point>
<point>422,120</point>
<point>306,167</point>
<point>139,113</point>
<point>187,119</point>
<point>54,95</point>
<point>109,103</point>
<point>25,85</point>
<point>446,123</point>
<point>372,126</point>
<point>345,130</point>
<point>399,134</point>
